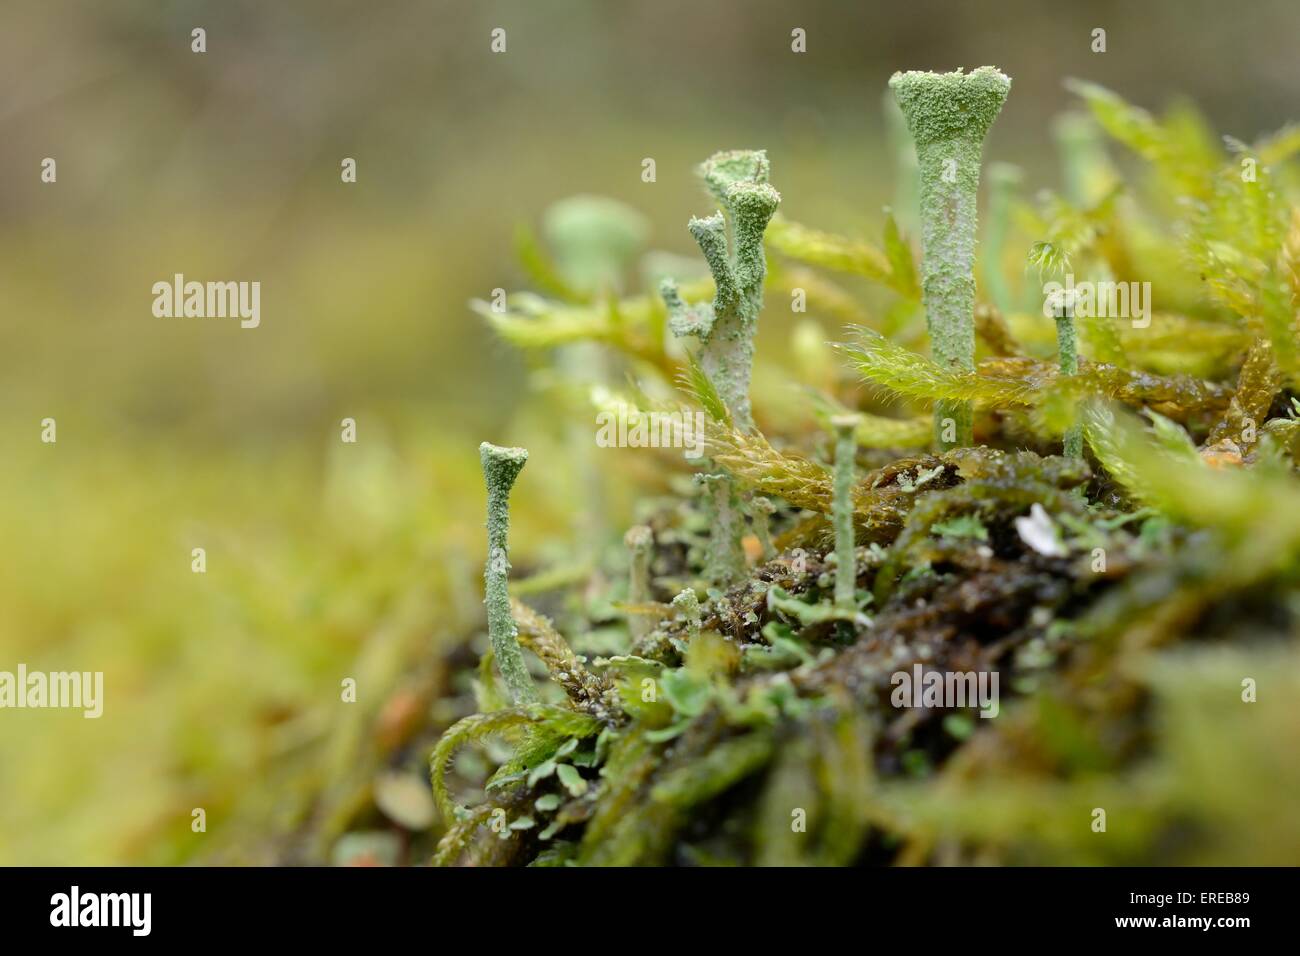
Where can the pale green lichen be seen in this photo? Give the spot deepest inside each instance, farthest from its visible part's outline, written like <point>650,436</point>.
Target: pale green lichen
<point>595,240</point>
<point>846,575</point>
<point>752,708</point>
<point>949,115</point>
<point>761,510</point>
<point>688,605</point>
<point>726,327</point>
<point>639,542</point>
<point>1068,349</point>
<point>725,557</point>
<point>501,466</point>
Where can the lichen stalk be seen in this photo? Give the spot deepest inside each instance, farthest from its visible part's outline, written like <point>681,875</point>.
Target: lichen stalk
<point>725,560</point>
<point>501,466</point>
<point>846,573</point>
<point>949,115</point>
<point>726,327</point>
<point>639,541</point>
<point>761,510</point>
<point>1068,351</point>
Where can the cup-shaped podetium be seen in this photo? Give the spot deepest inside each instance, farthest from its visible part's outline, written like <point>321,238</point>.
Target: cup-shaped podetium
<point>737,179</point>
<point>949,114</point>
<point>501,466</point>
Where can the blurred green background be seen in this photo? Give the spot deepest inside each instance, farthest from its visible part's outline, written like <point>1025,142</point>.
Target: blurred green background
<point>328,560</point>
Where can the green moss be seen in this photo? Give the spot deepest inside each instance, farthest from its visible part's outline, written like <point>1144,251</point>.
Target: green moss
<point>846,574</point>
<point>755,722</point>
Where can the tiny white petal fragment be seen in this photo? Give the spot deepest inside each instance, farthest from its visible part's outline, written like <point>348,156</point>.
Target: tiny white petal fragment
<point>1039,533</point>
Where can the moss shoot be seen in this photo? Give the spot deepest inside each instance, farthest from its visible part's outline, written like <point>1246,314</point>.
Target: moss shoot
<point>837,560</point>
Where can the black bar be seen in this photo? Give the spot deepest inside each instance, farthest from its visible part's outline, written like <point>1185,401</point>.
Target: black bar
<point>335,906</point>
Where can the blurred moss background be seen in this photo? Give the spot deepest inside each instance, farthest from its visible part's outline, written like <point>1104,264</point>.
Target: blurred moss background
<point>328,560</point>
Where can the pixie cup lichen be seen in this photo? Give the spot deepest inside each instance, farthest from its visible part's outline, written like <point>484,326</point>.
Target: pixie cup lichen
<point>639,542</point>
<point>1068,355</point>
<point>726,327</point>
<point>594,241</point>
<point>688,606</point>
<point>761,510</point>
<point>949,114</point>
<point>846,449</point>
<point>501,466</point>
<point>724,561</point>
